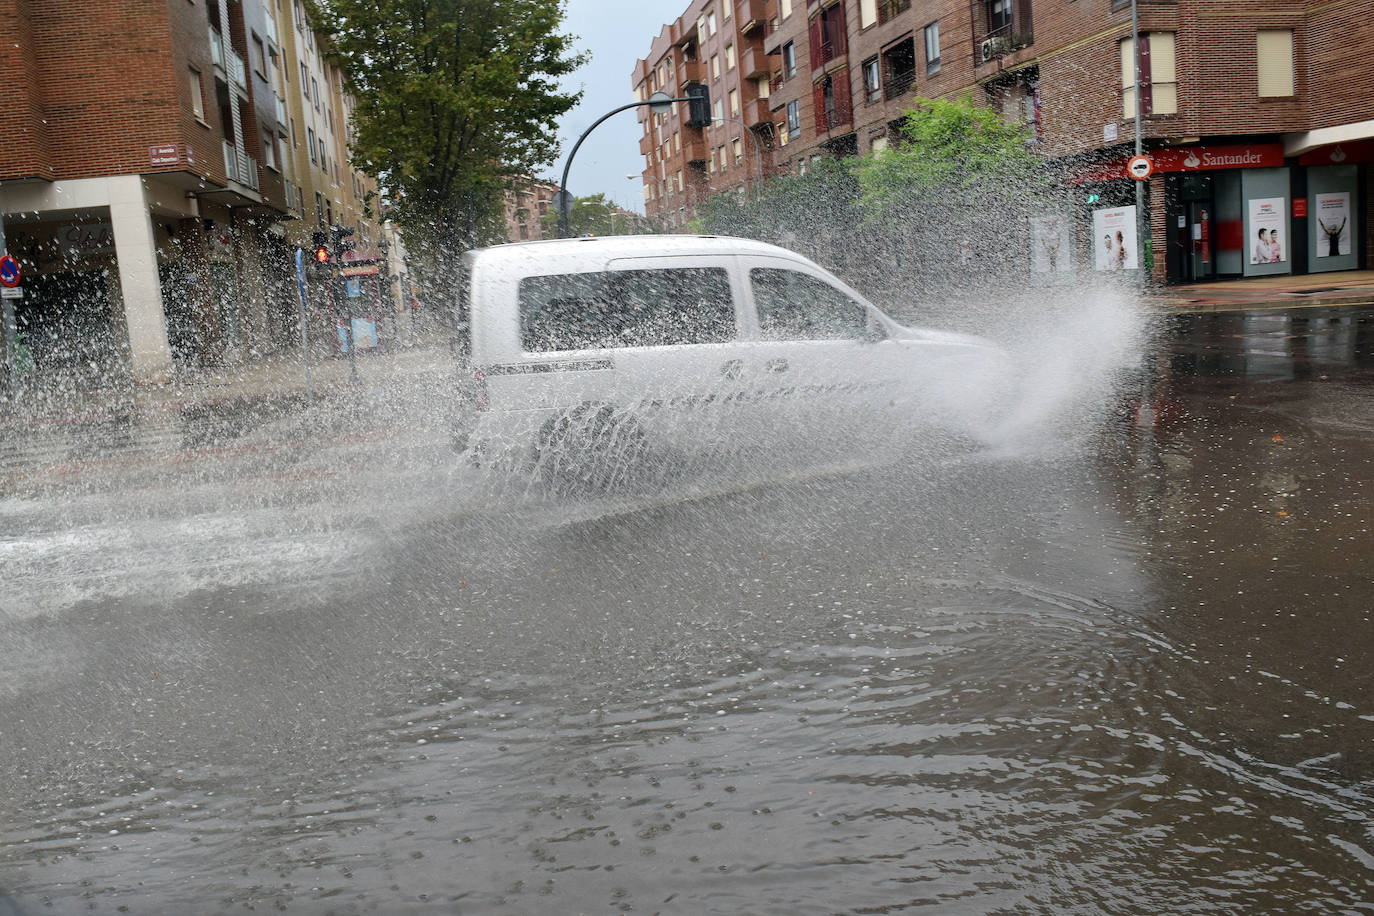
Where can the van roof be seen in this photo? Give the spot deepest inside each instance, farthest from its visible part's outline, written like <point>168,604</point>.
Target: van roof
<point>615,246</point>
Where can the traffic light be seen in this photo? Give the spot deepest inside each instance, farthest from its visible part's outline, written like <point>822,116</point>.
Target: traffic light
<point>340,240</point>
<point>320,241</point>
<point>698,105</point>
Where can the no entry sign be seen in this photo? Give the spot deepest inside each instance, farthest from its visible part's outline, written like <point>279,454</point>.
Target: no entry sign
<point>1139,167</point>
<point>9,271</point>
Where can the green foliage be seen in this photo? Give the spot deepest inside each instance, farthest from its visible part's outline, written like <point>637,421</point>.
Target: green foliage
<point>949,145</point>
<point>825,198</point>
<point>454,98</point>
<point>593,215</point>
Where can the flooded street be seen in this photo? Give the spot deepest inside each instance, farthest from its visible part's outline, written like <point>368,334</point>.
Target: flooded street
<point>304,661</point>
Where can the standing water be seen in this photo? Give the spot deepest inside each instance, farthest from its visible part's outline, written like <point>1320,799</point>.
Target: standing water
<point>302,658</point>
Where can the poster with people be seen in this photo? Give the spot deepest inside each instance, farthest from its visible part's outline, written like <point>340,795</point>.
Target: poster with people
<point>1114,239</point>
<point>1333,224</point>
<point>1051,239</point>
<point>1267,242</point>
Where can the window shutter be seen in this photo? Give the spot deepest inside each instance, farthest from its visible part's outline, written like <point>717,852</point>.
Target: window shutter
<point>1274,49</point>
<point>816,40</point>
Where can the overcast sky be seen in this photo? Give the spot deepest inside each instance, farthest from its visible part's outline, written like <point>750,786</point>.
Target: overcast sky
<point>616,33</point>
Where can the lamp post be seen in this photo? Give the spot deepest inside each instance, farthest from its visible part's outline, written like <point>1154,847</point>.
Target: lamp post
<point>659,103</point>
<point>1140,225</point>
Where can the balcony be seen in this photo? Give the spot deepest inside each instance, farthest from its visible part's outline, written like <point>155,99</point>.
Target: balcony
<point>694,150</point>
<point>1000,27</point>
<point>753,62</point>
<point>751,16</point>
<point>834,107</point>
<point>898,84</point>
<point>691,71</point>
<point>757,112</point>
<point>240,167</point>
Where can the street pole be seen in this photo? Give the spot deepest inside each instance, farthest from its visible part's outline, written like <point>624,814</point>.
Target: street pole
<point>758,154</point>
<point>658,99</point>
<point>11,328</point>
<point>1140,224</point>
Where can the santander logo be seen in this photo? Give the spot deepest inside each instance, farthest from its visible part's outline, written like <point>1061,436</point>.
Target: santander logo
<point>1192,161</point>
<point>1338,154</point>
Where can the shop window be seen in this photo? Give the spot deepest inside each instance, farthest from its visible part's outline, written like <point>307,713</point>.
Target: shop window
<point>1158,77</point>
<point>1274,60</point>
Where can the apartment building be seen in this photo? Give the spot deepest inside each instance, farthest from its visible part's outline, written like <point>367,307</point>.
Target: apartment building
<point>1255,119</point>
<point>150,182</point>
<point>717,44</point>
<point>524,204</point>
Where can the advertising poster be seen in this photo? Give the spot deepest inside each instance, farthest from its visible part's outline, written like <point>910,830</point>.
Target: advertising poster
<point>1114,239</point>
<point>1267,242</point>
<point>1051,240</point>
<point>1333,225</point>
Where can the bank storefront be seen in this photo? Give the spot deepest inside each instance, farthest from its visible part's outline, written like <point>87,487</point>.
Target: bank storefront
<point>1235,210</point>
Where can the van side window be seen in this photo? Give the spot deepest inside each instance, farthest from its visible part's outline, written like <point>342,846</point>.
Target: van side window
<point>796,306</point>
<point>626,308</point>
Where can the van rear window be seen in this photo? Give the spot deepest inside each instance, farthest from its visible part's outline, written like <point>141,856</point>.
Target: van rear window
<point>626,308</point>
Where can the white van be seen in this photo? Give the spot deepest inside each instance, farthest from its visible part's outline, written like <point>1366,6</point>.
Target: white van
<point>583,355</point>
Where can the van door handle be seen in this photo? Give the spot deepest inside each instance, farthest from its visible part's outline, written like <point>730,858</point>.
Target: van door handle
<point>732,368</point>
<point>776,365</point>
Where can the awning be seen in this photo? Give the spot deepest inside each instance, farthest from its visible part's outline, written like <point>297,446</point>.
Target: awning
<point>1297,144</point>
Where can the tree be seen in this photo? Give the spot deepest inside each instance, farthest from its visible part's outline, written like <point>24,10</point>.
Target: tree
<point>454,98</point>
<point>947,145</point>
<point>593,215</point>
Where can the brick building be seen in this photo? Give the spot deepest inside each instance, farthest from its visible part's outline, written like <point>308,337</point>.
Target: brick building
<point>718,44</point>
<point>524,204</point>
<point>1259,121</point>
<point>153,178</point>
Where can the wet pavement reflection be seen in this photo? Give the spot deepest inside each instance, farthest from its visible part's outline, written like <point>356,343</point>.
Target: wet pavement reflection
<point>294,658</point>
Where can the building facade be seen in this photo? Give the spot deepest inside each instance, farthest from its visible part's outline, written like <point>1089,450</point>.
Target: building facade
<point>1258,123</point>
<point>153,180</point>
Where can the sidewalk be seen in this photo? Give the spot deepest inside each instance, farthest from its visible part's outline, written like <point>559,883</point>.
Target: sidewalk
<point>276,377</point>
<point>1349,287</point>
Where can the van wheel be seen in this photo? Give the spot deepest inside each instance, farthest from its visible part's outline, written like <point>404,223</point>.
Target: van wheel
<point>589,450</point>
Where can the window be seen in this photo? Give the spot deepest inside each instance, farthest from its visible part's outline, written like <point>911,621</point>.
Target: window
<point>877,144</point>
<point>305,81</point>
<point>299,14</point>
<point>1158,78</point>
<point>797,306</point>
<point>324,157</point>
<point>793,118</point>
<point>726,8</point>
<point>789,61</point>
<point>899,63</point>
<point>889,9</point>
<point>932,33</point>
<point>310,142</point>
<point>873,86</point>
<point>999,16</point>
<point>627,308</point>
<point>315,91</point>
<point>258,54</point>
<point>734,103</point>
<point>737,147</point>
<point>319,208</point>
<point>711,22</point>
<point>868,13</point>
<point>716,110</point>
<point>1274,60</point>
<point>729,56</point>
<point>197,98</point>
<point>715,66</point>
<point>701,30</point>
<point>784,9</point>
<point>712,167</point>
<point>269,150</point>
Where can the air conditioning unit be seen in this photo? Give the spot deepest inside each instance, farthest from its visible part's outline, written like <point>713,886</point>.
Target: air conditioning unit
<point>989,48</point>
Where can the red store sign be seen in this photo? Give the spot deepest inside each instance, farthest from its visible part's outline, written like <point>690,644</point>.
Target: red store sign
<point>1193,159</point>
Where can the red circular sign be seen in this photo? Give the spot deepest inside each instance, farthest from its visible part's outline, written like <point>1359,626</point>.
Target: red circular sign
<point>9,271</point>
<point>1139,167</point>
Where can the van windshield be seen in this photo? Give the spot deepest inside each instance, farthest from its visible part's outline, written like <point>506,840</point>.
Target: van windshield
<point>626,308</point>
